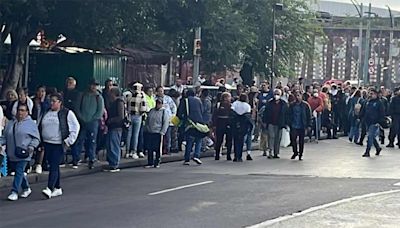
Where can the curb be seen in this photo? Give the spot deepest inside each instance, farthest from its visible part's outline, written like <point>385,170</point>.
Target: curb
<point>34,178</point>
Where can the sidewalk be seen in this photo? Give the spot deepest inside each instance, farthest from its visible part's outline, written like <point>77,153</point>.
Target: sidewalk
<point>6,182</point>
<point>371,210</point>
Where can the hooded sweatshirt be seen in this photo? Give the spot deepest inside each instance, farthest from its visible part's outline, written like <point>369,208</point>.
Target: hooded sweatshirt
<point>26,136</point>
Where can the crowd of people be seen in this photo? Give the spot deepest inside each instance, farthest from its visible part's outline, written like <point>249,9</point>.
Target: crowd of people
<point>152,121</point>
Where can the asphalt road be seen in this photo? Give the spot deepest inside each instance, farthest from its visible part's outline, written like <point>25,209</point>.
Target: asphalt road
<point>227,195</point>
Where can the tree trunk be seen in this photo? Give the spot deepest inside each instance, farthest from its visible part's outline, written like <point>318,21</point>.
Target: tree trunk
<point>15,70</point>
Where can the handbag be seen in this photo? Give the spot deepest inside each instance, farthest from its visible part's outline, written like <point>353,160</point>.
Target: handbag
<point>202,128</point>
<point>20,152</point>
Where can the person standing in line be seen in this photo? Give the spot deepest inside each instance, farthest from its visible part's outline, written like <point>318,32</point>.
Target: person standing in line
<point>156,127</point>
<point>221,122</point>
<point>275,119</point>
<point>317,106</point>
<point>207,115</point>
<point>72,97</point>
<point>170,107</point>
<point>40,107</point>
<point>108,84</point>
<point>191,108</point>
<point>252,101</point>
<point>90,110</point>
<point>59,129</point>
<point>20,134</point>
<point>115,122</point>
<point>23,98</point>
<point>137,106</point>
<point>299,119</point>
<point>394,111</point>
<point>355,104</point>
<point>374,113</point>
<point>241,125</point>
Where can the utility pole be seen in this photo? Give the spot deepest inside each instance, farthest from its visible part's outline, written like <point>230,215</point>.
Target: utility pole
<point>277,6</point>
<point>389,69</point>
<point>367,48</point>
<point>360,39</point>
<point>196,54</point>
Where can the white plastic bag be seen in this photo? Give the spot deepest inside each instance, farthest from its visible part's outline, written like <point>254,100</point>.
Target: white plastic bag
<point>285,141</point>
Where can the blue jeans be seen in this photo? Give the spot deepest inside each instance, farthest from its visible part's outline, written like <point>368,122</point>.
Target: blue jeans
<point>132,138</point>
<point>373,131</point>
<point>190,140</point>
<point>238,141</point>
<point>249,135</point>
<point>20,179</point>
<point>113,147</point>
<point>54,155</point>
<point>88,138</point>
<point>354,129</point>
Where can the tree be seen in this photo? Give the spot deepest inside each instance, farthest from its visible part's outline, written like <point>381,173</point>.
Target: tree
<point>91,23</point>
<point>295,29</point>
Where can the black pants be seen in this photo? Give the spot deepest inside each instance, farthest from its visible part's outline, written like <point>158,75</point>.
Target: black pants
<point>395,129</point>
<point>220,132</point>
<point>294,134</point>
<point>153,144</point>
<point>55,153</point>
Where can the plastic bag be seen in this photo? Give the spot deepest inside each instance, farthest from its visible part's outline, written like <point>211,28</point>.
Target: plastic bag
<point>285,141</point>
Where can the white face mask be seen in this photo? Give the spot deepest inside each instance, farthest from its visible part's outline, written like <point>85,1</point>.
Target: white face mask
<point>315,94</point>
<point>277,97</point>
<point>347,94</point>
<point>334,92</point>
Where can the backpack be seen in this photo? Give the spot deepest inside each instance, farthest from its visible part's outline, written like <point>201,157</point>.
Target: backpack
<point>357,107</point>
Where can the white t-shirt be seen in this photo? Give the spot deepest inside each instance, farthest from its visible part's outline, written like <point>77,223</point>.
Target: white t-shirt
<point>241,107</point>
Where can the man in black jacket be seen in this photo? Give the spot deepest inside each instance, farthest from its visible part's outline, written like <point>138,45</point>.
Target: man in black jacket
<point>374,113</point>
<point>394,111</point>
<point>275,119</point>
<point>299,119</point>
<point>116,114</point>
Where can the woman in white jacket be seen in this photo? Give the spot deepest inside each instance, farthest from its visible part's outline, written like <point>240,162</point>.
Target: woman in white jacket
<point>59,130</point>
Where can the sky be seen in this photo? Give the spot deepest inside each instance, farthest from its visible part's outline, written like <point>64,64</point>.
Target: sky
<point>394,4</point>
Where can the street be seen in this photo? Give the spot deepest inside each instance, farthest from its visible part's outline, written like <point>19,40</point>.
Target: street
<point>222,193</point>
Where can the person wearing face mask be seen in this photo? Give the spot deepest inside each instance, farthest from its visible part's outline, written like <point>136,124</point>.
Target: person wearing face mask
<point>374,113</point>
<point>299,119</point>
<point>274,119</point>
<point>317,106</point>
<point>336,101</point>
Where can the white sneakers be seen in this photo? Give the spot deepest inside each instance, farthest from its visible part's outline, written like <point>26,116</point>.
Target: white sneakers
<point>141,155</point>
<point>49,194</point>
<point>135,156</point>
<point>56,192</point>
<point>198,161</point>
<point>38,169</point>
<point>26,193</point>
<point>14,196</point>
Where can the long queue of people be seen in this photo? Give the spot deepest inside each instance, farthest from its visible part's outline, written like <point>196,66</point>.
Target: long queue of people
<point>148,122</point>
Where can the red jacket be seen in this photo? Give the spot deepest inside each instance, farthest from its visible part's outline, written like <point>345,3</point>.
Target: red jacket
<point>316,103</point>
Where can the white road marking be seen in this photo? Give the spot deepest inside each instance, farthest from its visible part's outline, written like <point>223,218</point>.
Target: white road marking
<point>180,187</point>
<point>316,208</point>
<point>397,184</point>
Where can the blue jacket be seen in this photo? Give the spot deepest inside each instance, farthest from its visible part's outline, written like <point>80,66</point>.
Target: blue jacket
<point>374,112</point>
<point>26,136</point>
<point>195,110</point>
